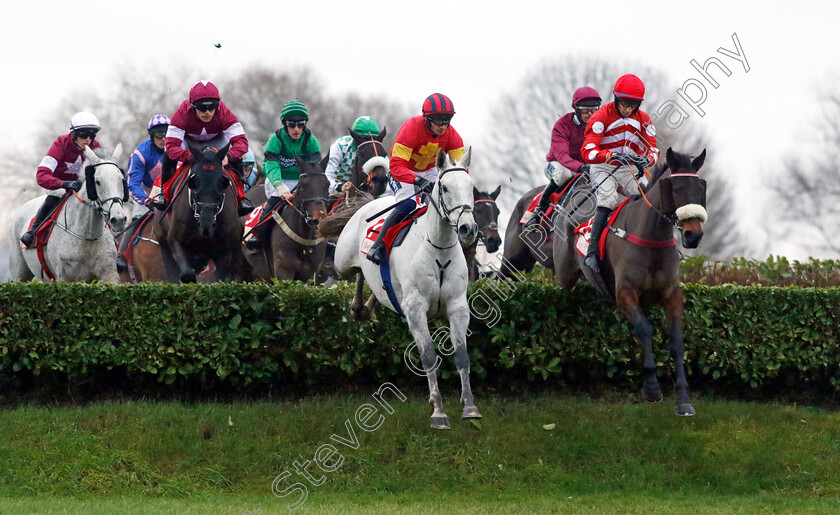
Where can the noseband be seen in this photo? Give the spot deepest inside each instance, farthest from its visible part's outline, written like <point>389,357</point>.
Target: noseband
<point>198,207</point>
<point>492,226</point>
<point>465,208</point>
<point>303,211</point>
<point>93,195</point>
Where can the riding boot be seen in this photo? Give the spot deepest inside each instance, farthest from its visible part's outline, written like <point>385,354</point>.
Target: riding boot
<point>43,212</point>
<point>167,170</point>
<point>377,252</point>
<point>122,265</point>
<point>592,257</point>
<point>260,231</point>
<point>550,189</point>
<point>245,206</point>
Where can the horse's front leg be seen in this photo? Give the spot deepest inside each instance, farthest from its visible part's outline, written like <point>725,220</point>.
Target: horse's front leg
<point>673,320</point>
<point>361,311</point>
<point>627,299</point>
<point>415,308</point>
<point>185,268</point>
<point>459,320</point>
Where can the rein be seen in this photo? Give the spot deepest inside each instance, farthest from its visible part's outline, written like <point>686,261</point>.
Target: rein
<point>465,208</point>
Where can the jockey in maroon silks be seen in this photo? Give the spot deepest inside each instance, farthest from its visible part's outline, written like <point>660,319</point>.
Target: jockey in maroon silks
<point>619,143</point>
<point>204,120</point>
<point>59,170</point>
<point>564,158</point>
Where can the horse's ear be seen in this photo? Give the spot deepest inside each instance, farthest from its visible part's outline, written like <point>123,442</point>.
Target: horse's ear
<point>300,163</point>
<point>117,154</point>
<point>440,160</point>
<point>669,159</point>
<point>324,161</point>
<point>666,195</point>
<point>381,136</point>
<point>465,161</point>
<point>194,150</point>
<point>496,192</point>
<point>89,154</point>
<point>220,154</point>
<point>476,193</point>
<point>698,161</point>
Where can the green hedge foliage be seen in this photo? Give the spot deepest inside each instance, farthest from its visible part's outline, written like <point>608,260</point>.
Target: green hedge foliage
<point>289,335</point>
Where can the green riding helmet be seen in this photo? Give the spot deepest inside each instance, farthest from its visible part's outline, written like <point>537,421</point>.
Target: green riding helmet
<point>365,126</point>
<point>294,109</point>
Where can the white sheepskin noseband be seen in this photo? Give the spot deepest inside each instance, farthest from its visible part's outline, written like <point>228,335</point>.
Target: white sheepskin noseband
<point>690,211</point>
<point>373,162</point>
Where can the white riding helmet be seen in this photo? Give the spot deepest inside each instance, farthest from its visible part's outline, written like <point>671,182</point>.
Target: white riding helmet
<point>84,120</point>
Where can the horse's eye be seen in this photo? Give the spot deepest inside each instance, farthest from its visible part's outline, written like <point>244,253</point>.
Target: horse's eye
<point>98,182</point>
<point>443,188</point>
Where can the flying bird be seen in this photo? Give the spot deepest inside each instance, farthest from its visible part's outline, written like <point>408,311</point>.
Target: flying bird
<point>218,45</point>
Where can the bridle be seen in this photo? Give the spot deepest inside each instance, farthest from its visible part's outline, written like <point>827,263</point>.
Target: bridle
<point>197,206</point>
<point>93,195</point>
<point>303,211</point>
<point>443,211</point>
<point>372,141</point>
<point>492,226</point>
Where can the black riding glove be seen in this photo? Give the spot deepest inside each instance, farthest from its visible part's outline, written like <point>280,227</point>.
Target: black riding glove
<point>425,185</point>
<point>72,185</point>
<point>149,203</point>
<point>625,159</point>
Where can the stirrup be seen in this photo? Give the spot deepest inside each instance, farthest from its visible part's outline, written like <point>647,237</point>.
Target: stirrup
<point>591,262</point>
<point>28,238</point>
<point>534,221</point>
<point>252,242</point>
<point>160,204</point>
<point>376,254</point>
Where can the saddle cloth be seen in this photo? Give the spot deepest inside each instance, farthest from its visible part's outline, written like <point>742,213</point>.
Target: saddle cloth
<point>584,232</point>
<point>395,235</point>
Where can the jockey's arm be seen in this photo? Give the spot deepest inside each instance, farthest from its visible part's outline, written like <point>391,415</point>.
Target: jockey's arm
<point>134,176</point>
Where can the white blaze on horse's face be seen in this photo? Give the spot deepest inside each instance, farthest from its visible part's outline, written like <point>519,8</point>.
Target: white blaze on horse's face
<point>109,184</point>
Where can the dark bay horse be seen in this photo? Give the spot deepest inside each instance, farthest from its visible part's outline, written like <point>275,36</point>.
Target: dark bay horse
<point>294,251</point>
<point>486,214</point>
<point>641,263</point>
<point>202,223</point>
<point>525,248</point>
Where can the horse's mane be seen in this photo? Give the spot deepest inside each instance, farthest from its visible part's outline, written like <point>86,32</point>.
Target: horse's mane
<point>681,162</point>
<point>332,226</point>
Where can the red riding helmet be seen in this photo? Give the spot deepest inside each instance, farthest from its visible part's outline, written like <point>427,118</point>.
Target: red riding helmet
<point>204,89</point>
<point>438,103</point>
<point>629,87</point>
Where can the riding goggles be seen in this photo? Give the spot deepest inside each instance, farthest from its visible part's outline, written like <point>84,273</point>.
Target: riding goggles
<point>86,133</point>
<point>206,105</point>
<point>295,123</point>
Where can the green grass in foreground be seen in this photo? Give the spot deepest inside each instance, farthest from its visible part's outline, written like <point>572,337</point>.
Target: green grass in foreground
<point>601,457</point>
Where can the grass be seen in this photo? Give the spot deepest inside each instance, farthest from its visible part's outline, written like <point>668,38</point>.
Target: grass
<point>602,456</point>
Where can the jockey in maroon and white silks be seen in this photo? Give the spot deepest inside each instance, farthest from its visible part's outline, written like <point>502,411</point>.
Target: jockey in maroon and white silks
<point>185,127</point>
<point>620,140</point>
<point>62,163</point>
<point>563,158</point>
<point>59,169</point>
<point>203,120</point>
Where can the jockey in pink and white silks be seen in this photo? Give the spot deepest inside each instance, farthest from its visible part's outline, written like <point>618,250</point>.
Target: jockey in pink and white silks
<point>59,170</point>
<point>620,140</point>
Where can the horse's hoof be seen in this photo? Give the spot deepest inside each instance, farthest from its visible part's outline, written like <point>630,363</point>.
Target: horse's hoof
<point>470,412</point>
<point>439,422</point>
<point>653,395</point>
<point>360,315</point>
<point>685,410</point>
<point>188,278</point>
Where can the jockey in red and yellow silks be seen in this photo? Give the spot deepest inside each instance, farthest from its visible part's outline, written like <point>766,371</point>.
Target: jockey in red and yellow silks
<point>619,140</point>
<point>413,161</point>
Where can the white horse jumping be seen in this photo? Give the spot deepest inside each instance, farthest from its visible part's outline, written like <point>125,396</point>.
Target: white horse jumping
<point>428,274</point>
<point>81,248</point>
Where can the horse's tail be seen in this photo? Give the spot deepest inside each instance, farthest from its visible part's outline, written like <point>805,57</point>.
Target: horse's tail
<point>332,226</point>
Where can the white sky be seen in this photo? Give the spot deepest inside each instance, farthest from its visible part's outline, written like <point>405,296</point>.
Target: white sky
<point>471,50</point>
